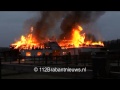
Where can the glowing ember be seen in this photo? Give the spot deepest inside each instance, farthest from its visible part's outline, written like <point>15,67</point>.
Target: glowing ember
<point>98,43</point>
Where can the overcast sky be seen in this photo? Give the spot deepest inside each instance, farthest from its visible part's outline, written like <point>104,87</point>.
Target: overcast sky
<point>11,25</point>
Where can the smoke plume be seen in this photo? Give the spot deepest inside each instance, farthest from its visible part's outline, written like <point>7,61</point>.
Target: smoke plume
<point>78,18</point>
<point>48,20</point>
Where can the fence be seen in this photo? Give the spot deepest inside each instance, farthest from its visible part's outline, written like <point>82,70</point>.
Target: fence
<point>81,60</point>
<point>101,63</point>
<point>49,60</point>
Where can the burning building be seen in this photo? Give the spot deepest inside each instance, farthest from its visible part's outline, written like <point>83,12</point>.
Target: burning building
<point>72,36</point>
<point>77,43</point>
<point>78,40</point>
<point>30,46</point>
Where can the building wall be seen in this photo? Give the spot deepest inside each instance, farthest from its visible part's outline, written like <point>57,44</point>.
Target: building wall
<point>76,51</point>
<point>73,51</point>
<point>35,52</point>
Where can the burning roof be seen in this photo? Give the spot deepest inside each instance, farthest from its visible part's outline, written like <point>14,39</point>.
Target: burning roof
<point>27,42</point>
<point>77,39</point>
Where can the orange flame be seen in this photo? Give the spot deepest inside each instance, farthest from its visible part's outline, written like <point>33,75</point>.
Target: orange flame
<point>27,42</point>
<point>78,39</point>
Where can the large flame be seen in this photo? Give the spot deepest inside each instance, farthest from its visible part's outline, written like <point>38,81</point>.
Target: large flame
<point>78,39</point>
<point>26,42</point>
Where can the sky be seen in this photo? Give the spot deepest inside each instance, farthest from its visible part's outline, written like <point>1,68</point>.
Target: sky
<point>12,25</point>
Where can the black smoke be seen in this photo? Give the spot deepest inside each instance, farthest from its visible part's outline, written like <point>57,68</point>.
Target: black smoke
<point>48,20</point>
<point>78,18</point>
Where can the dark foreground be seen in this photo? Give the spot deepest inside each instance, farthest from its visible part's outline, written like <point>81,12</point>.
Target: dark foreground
<point>12,74</point>
<point>98,65</point>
